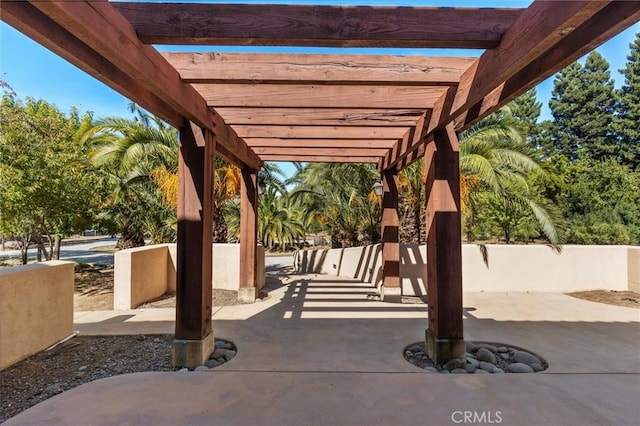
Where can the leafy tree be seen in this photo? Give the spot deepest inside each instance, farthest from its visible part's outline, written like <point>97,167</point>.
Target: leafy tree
<point>46,190</point>
<point>582,105</point>
<point>601,200</point>
<point>628,107</point>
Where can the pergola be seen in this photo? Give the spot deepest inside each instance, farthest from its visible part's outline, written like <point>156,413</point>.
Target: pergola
<point>386,110</point>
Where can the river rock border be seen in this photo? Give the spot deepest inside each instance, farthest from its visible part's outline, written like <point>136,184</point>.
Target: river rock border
<point>224,351</point>
<point>481,358</point>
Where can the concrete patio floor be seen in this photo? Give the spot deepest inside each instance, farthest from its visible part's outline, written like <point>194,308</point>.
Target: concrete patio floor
<point>318,353</point>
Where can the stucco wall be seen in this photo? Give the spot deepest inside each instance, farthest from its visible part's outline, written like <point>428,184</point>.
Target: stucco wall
<point>146,273</point>
<point>633,265</point>
<point>145,267</point>
<point>36,308</point>
<point>509,268</point>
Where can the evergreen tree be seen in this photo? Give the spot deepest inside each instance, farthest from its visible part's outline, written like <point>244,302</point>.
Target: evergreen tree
<point>582,105</point>
<point>526,110</point>
<point>628,118</point>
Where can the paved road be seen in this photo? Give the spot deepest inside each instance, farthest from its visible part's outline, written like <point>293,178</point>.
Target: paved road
<point>82,253</point>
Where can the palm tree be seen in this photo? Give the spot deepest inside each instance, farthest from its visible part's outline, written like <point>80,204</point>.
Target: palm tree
<point>495,158</point>
<point>133,154</point>
<point>338,197</point>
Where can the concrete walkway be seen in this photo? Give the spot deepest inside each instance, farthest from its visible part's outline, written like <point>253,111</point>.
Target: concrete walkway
<point>318,353</point>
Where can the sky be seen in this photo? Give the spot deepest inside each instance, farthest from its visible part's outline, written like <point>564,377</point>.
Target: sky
<point>32,70</point>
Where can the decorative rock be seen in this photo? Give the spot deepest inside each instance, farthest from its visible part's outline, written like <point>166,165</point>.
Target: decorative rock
<point>505,356</point>
<point>503,349</point>
<point>536,367</point>
<point>445,372</point>
<point>228,346</point>
<point>470,355</point>
<point>498,371</point>
<point>201,368</point>
<point>473,362</point>
<point>486,355</point>
<point>183,370</point>
<point>220,344</point>
<point>518,367</point>
<point>212,363</point>
<point>221,360</point>
<point>229,355</point>
<point>218,353</point>
<point>480,371</point>
<point>408,353</point>
<point>454,363</point>
<point>487,347</point>
<point>525,358</point>
<point>415,348</point>
<point>431,369</point>
<point>469,368</point>
<point>471,347</point>
<point>458,371</point>
<point>487,366</point>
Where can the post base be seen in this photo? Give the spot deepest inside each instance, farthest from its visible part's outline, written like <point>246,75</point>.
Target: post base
<point>247,294</point>
<point>391,294</point>
<point>442,350</point>
<point>192,353</point>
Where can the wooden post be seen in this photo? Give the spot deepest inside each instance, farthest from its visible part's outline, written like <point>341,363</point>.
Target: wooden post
<point>444,337</point>
<point>391,289</point>
<point>248,290</point>
<point>194,336</point>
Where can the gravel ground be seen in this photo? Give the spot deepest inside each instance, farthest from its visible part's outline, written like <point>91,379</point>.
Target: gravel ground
<point>77,361</point>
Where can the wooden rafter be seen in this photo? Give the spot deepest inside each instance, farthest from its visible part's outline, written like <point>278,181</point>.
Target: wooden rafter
<point>242,68</point>
<point>320,116</point>
<point>320,132</point>
<point>284,144</point>
<point>545,38</point>
<point>101,32</point>
<point>319,96</point>
<point>343,152</point>
<point>320,158</point>
<point>231,24</point>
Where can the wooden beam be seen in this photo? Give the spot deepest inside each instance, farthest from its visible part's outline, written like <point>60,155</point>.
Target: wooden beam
<point>320,116</point>
<point>111,40</point>
<point>544,39</point>
<point>405,144</point>
<point>341,152</point>
<point>339,26</point>
<point>248,290</point>
<point>605,24</point>
<point>194,243</point>
<point>256,143</point>
<point>243,68</point>
<point>390,237</point>
<point>319,158</point>
<point>30,21</point>
<point>444,337</point>
<point>537,30</point>
<point>320,132</point>
<point>319,96</point>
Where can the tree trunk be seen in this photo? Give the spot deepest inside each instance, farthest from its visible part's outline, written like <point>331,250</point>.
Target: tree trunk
<point>56,247</point>
<point>219,227</point>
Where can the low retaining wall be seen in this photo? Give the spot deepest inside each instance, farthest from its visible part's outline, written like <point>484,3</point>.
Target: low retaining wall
<point>146,273</point>
<point>36,308</point>
<point>492,268</point>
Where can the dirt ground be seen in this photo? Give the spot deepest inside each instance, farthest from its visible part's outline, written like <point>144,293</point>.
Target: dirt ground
<point>628,299</point>
<point>94,292</point>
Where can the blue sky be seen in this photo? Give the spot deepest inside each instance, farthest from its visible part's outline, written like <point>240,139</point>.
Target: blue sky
<point>34,71</point>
